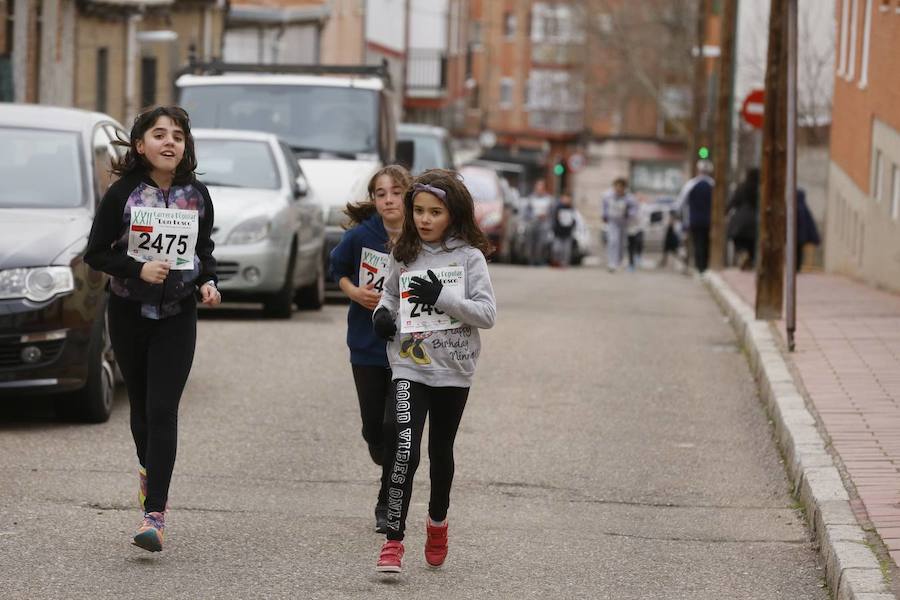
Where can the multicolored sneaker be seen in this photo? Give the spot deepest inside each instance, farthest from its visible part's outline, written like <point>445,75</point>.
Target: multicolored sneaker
<point>435,543</point>
<point>142,490</point>
<point>390,557</point>
<point>149,535</point>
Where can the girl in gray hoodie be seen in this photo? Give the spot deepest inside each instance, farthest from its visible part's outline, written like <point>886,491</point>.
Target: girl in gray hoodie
<point>436,297</point>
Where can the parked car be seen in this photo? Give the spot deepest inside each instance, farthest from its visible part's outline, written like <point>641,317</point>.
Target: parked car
<point>269,231</point>
<point>338,120</point>
<point>55,164</point>
<point>490,206</point>
<point>431,146</point>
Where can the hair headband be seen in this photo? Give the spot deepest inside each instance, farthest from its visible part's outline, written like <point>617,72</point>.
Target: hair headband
<point>423,187</point>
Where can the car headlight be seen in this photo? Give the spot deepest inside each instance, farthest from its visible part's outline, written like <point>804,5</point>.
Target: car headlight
<point>250,231</point>
<point>491,220</point>
<point>38,284</point>
<point>336,217</point>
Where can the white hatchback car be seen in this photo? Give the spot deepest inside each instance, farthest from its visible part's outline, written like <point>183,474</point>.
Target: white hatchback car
<point>268,230</point>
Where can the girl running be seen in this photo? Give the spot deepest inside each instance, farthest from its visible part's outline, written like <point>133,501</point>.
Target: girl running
<point>439,291</point>
<point>359,265</point>
<point>151,234</point>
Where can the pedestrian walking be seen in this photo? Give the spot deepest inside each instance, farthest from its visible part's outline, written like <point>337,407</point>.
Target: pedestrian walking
<point>618,207</point>
<point>807,232</point>
<point>563,226</point>
<point>742,217</point>
<point>695,201</point>
<point>359,264</point>
<point>538,227</point>
<point>439,291</point>
<point>635,229</point>
<point>151,234</point>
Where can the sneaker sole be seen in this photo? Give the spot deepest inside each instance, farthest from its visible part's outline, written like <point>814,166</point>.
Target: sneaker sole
<point>387,569</point>
<point>148,541</point>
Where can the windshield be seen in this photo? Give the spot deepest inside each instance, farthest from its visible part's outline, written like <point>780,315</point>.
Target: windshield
<point>315,119</point>
<point>430,152</point>
<point>236,163</point>
<point>40,169</point>
<point>482,187</point>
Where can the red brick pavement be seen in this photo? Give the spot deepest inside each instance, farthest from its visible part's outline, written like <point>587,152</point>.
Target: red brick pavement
<point>848,356</point>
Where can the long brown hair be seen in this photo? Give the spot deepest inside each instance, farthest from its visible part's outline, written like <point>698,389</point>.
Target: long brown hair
<point>462,216</point>
<point>360,211</point>
<point>133,161</point>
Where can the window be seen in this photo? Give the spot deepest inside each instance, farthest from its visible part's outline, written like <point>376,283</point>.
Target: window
<point>509,25</point>
<point>845,31</point>
<point>148,81</point>
<point>877,175</point>
<point>506,91</point>
<point>475,37</point>
<point>895,192</point>
<point>867,30</point>
<point>102,74</point>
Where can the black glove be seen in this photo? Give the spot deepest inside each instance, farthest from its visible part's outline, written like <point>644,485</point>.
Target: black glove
<point>385,328</point>
<point>425,292</point>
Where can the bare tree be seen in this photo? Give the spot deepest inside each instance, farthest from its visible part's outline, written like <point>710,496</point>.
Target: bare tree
<point>644,49</point>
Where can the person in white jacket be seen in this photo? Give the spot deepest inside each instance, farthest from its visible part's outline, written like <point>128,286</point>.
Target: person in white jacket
<point>437,295</point>
<point>619,206</point>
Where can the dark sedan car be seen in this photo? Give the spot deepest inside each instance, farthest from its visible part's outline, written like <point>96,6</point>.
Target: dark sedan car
<point>55,166</point>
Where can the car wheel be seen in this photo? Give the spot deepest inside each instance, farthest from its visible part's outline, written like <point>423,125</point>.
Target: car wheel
<point>312,297</point>
<point>93,403</point>
<point>280,305</point>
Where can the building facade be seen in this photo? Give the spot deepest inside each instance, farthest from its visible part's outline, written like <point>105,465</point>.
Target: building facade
<point>275,31</point>
<point>863,211</point>
<point>114,56</point>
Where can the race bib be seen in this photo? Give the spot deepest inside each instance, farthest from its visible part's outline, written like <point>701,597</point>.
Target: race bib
<point>425,317</point>
<point>164,234</point>
<point>373,268</point>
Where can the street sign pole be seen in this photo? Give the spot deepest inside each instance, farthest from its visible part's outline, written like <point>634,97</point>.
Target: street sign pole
<point>790,188</point>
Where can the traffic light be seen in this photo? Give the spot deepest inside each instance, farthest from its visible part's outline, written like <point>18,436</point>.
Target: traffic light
<point>703,153</point>
<point>559,169</point>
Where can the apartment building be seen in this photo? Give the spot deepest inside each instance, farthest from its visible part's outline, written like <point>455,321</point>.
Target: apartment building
<point>275,31</point>
<point>863,210</point>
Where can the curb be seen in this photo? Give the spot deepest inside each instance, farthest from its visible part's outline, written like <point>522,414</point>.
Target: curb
<point>852,569</point>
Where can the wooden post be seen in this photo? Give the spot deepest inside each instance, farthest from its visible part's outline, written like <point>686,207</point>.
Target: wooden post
<point>698,134</point>
<point>772,211</point>
<point>721,152</point>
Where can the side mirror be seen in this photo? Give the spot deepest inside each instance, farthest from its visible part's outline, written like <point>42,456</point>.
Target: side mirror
<point>301,186</point>
<point>405,153</point>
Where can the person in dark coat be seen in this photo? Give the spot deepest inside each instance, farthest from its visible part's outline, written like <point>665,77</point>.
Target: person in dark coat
<point>807,232</point>
<point>742,211</point>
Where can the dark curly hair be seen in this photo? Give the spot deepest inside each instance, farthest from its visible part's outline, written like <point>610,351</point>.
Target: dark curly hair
<point>462,216</point>
<point>134,162</point>
<point>359,212</point>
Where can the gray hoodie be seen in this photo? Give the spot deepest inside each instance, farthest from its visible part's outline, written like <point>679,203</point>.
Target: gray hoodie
<point>442,358</point>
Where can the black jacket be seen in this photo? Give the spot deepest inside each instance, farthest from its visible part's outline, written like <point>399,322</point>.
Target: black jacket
<point>108,244</point>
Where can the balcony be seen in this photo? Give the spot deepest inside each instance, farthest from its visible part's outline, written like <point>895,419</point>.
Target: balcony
<point>426,73</point>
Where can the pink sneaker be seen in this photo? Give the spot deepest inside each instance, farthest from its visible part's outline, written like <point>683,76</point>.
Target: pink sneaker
<point>390,557</point>
<point>435,543</point>
<point>149,535</point>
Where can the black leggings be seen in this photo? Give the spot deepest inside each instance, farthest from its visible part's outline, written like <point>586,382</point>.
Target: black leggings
<point>413,401</point>
<point>374,389</point>
<point>155,358</point>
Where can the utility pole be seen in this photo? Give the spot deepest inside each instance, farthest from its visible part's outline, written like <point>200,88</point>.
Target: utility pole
<point>790,188</point>
<point>698,134</point>
<point>772,210</point>
<point>722,139</point>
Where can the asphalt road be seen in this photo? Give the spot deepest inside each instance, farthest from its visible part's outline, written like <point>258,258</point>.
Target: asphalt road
<point>613,447</point>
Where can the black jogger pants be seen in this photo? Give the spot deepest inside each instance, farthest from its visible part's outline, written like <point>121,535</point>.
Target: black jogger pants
<point>374,389</point>
<point>155,358</point>
<point>413,402</point>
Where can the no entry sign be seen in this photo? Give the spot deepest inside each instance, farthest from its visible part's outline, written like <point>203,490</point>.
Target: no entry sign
<point>754,108</point>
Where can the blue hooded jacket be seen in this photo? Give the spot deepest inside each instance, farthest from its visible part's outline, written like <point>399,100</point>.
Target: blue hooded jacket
<point>366,348</point>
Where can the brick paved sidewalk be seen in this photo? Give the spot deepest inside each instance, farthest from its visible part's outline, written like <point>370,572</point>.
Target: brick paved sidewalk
<point>848,356</point>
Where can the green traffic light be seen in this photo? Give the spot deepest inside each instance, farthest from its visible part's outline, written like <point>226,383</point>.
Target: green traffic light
<point>703,152</point>
<point>558,169</point>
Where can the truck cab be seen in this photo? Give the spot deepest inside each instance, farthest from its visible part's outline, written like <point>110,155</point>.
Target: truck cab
<point>338,120</point>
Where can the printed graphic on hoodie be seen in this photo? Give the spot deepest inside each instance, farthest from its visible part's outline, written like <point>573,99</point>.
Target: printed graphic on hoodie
<point>416,317</point>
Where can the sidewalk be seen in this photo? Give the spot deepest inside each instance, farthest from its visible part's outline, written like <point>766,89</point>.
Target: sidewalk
<point>848,358</point>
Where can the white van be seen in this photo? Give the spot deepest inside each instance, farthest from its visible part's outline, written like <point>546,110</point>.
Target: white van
<point>338,120</point>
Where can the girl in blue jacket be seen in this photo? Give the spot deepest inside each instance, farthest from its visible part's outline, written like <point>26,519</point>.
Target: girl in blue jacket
<point>359,265</point>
